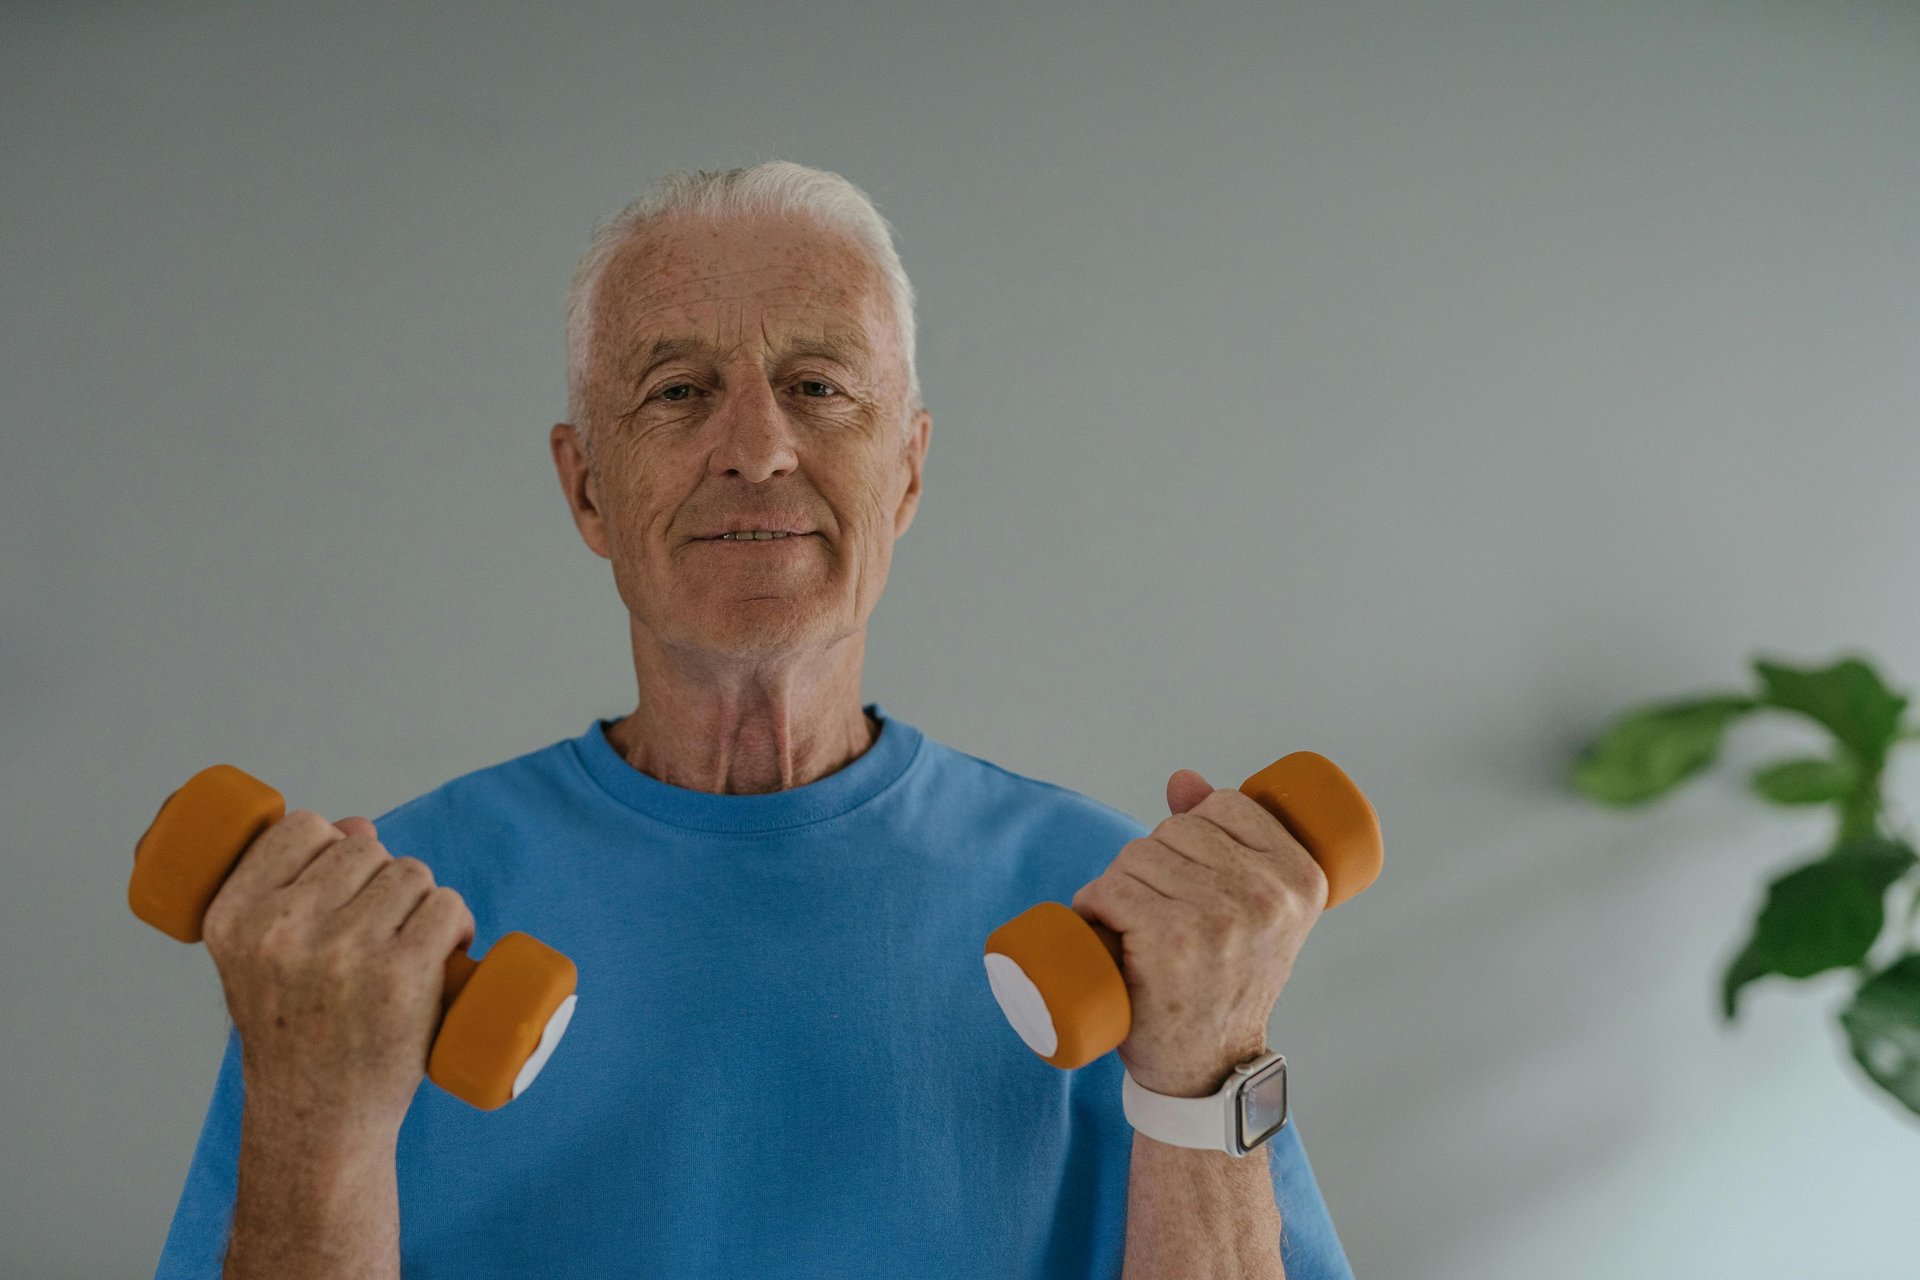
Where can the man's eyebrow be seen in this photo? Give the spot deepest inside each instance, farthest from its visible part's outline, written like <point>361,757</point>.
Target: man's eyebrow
<point>847,346</point>
<point>665,349</point>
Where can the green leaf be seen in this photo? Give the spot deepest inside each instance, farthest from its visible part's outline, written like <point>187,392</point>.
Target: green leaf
<point>1808,781</point>
<point>1848,697</point>
<point>1653,748</point>
<point>1883,1025</point>
<point>1821,916</point>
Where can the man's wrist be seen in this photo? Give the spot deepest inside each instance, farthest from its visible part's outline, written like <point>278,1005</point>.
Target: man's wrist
<point>1192,1083</point>
<point>290,1134</point>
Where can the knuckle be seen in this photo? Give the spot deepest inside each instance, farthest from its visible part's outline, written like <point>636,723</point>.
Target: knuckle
<point>1184,932</point>
<point>274,925</point>
<point>1309,884</point>
<point>357,844</point>
<point>444,900</point>
<point>213,925</point>
<point>234,925</point>
<point>1184,823</point>
<point>275,949</point>
<point>1317,876</point>
<point>339,955</point>
<point>409,870</point>
<point>303,820</point>
<point>352,854</point>
<point>442,911</point>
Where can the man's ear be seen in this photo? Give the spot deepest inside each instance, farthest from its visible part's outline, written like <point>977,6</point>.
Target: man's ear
<point>580,485</point>
<point>914,455</point>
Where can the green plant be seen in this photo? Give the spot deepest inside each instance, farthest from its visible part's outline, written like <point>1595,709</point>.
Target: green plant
<point>1826,914</point>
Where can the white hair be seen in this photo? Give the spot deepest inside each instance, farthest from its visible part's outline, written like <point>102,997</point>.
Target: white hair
<point>778,188</point>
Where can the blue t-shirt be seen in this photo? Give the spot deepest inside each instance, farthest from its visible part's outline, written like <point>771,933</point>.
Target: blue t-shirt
<point>786,1059</point>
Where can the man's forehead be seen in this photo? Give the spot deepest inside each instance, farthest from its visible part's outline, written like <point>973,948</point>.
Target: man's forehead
<point>716,326</point>
<point>838,342</point>
<point>685,263</point>
<point>713,310</point>
<point>785,305</point>
<point>701,288</point>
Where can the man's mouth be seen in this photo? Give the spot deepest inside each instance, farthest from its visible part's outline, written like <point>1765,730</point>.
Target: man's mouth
<point>756,539</point>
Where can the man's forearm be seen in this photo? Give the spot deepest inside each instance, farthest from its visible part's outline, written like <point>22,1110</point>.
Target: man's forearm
<point>1201,1215</point>
<point>313,1204</point>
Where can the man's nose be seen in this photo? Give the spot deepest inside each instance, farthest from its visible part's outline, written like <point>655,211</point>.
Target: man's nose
<point>751,433</point>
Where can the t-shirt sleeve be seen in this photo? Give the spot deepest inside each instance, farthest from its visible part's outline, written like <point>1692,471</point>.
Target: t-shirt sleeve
<point>196,1247</point>
<point>1309,1247</point>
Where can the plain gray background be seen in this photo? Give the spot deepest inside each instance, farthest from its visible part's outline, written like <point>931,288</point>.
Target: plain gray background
<point>1417,383</point>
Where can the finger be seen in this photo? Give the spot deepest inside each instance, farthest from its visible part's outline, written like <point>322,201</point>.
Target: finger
<point>279,855</point>
<point>1136,911</point>
<point>1238,844</point>
<point>1185,789</point>
<point>1120,900</point>
<point>389,896</point>
<point>1197,839</point>
<point>440,925</point>
<point>1245,819</point>
<point>1276,854</point>
<point>1172,872</point>
<point>341,870</point>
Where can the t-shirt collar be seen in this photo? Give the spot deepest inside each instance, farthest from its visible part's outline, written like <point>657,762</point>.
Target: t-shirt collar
<point>866,776</point>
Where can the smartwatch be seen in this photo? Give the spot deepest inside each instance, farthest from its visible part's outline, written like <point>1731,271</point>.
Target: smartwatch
<point>1246,1111</point>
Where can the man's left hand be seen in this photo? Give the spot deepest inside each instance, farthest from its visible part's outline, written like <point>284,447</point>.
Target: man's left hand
<point>1211,909</point>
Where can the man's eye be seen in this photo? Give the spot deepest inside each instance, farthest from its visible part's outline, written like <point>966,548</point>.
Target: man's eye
<point>666,392</point>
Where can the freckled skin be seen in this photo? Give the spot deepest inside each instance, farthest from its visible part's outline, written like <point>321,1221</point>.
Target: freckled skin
<point>747,658</point>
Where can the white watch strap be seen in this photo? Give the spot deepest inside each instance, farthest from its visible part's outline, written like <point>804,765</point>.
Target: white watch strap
<point>1209,1123</point>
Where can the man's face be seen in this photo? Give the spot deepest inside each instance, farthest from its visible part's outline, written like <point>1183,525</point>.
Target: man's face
<point>744,374</point>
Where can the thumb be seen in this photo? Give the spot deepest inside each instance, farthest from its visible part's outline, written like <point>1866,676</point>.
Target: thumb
<point>356,827</point>
<point>1185,789</point>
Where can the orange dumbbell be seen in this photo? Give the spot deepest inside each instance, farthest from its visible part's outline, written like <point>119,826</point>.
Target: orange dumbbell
<point>502,1016</point>
<point>1057,974</point>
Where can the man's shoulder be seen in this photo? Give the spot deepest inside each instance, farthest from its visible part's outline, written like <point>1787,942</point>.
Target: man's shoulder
<point>535,779</point>
<point>1031,794</point>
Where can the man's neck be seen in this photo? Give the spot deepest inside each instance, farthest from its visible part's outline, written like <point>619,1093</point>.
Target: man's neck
<point>722,751</point>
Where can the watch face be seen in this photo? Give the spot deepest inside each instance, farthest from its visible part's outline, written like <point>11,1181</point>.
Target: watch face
<point>1263,1105</point>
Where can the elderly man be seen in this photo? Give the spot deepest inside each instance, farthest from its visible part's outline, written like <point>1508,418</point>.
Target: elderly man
<point>785,1059</point>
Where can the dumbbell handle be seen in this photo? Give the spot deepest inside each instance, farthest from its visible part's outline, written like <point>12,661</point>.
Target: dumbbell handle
<point>1069,1001</point>
<point>460,967</point>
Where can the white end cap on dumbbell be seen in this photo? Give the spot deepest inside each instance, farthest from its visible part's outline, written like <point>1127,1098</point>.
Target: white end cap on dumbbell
<point>1023,1004</point>
<point>549,1038</point>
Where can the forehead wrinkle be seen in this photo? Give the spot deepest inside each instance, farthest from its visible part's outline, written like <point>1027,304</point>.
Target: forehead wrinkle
<point>838,341</point>
<point>736,284</point>
<point>636,319</point>
<point>664,278</point>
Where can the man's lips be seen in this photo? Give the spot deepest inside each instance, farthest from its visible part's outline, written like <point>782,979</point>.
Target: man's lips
<point>757,542</point>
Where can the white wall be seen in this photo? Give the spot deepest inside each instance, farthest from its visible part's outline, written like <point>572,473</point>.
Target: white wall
<point>1417,383</point>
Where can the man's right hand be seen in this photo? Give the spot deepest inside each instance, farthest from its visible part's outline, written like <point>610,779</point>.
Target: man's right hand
<point>332,953</point>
